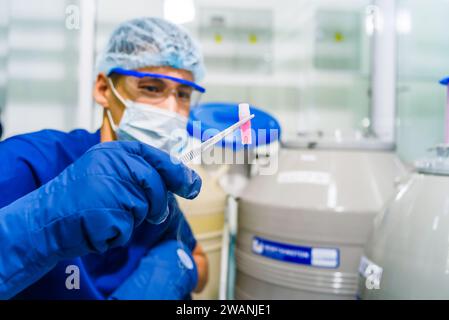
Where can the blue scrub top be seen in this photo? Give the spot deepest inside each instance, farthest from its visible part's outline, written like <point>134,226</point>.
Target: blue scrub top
<point>30,160</point>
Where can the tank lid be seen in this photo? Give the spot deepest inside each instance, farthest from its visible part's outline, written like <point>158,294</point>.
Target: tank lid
<point>218,116</point>
<point>438,164</point>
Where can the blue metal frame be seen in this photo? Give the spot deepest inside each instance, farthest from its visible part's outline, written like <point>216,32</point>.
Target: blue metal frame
<point>138,74</point>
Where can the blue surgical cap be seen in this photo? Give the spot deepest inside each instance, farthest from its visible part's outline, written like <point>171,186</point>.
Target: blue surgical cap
<point>151,42</point>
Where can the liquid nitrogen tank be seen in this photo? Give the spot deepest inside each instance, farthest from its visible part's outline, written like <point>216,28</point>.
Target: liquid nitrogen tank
<point>407,256</point>
<point>301,231</point>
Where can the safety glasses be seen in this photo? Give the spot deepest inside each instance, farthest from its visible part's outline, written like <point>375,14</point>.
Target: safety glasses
<point>155,87</point>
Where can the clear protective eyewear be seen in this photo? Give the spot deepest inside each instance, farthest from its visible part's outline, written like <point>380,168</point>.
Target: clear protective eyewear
<point>156,87</point>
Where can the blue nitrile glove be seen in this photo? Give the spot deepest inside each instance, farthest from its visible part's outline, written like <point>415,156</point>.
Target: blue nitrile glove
<point>108,271</point>
<point>167,272</point>
<point>93,205</point>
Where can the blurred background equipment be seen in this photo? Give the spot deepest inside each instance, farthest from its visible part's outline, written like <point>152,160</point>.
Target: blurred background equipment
<point>406,255</point>
<point>301,232</point>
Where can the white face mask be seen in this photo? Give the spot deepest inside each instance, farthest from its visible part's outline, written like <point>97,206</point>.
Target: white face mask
<point>160,128</point>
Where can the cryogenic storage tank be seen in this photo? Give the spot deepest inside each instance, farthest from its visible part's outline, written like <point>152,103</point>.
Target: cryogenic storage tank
<point>206,214</point>
<point>407,256</point>
<point>302,230</point>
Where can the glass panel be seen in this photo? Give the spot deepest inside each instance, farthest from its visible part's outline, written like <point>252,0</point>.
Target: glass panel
<point>42,67</point>
<point>3,56</point>
<point>422,61</point>
<point>307,62</point>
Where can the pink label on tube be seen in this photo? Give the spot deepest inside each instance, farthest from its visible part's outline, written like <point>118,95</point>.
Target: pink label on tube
<point>245,129</point>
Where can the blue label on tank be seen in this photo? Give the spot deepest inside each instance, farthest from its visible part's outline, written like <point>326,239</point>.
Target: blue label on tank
<point>315,257</point>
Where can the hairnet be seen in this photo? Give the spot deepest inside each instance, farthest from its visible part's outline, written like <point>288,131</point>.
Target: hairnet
<point>151,42</point>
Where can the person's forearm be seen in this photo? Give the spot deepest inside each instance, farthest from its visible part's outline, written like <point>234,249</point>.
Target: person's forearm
<point>202,266</point>
<point>20,265</point>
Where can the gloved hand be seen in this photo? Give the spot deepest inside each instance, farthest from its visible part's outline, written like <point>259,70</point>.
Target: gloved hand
<point>167,272</point>
<point>110,270</point>
<point>93,205</point>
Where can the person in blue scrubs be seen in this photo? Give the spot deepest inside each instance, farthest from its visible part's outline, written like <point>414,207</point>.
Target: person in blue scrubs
<point>146,84</point>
